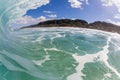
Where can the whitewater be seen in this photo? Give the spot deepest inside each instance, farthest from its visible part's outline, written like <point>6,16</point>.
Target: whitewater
<point>54,53</point>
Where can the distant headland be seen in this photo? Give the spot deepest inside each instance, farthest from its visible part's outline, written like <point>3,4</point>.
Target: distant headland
<point>99,25</point>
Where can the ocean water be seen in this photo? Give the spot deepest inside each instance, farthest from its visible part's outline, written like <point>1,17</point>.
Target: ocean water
<point>54,53</point>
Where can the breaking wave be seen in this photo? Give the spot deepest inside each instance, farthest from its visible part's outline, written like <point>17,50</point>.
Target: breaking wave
<point>54,53</point>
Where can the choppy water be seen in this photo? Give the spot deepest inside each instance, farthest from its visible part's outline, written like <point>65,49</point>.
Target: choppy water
<point>54,53</point>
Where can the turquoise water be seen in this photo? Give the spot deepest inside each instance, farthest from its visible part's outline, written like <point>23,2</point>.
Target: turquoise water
<point>54,53</point>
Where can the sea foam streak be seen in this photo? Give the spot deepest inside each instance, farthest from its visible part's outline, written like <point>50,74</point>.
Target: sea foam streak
<point>103,56</point>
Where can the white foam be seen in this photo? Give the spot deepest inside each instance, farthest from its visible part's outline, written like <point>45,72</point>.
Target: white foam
<point>82,60</point>
<point>104,57</point>
<point>108,75</point>
<point>40,62</point>
<point>39,39</point>
<point>55,49</point>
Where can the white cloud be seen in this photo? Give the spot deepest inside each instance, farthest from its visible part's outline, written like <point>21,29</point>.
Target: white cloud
<point>107,2</point>
<point>77,3</point>
<point>86,1</point>
<point>48,12</point>
<point>117,16</point>
<point>27,20</point>
<point>111,3</point>
<point>52,15</point>
<point>41,18</point>
<point>113,22</point>
<point>115,3</point>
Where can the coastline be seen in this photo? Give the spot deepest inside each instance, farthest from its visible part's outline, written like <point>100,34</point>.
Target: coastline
<point>98,25</point>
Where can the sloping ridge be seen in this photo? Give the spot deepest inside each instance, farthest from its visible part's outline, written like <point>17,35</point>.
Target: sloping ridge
<point>99,25</point>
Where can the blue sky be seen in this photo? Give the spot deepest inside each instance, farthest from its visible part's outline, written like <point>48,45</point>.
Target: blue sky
<point>94,11</point>
<point>89,10</point>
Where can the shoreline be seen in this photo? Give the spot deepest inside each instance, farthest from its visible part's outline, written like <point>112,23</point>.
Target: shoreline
<point>98,25</point>
<point>73,28</point>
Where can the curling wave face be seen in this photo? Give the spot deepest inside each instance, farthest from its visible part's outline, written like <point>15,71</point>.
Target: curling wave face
<point>54,53</point>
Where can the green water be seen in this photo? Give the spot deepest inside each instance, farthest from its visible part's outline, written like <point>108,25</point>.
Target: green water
<point>60,54</point>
